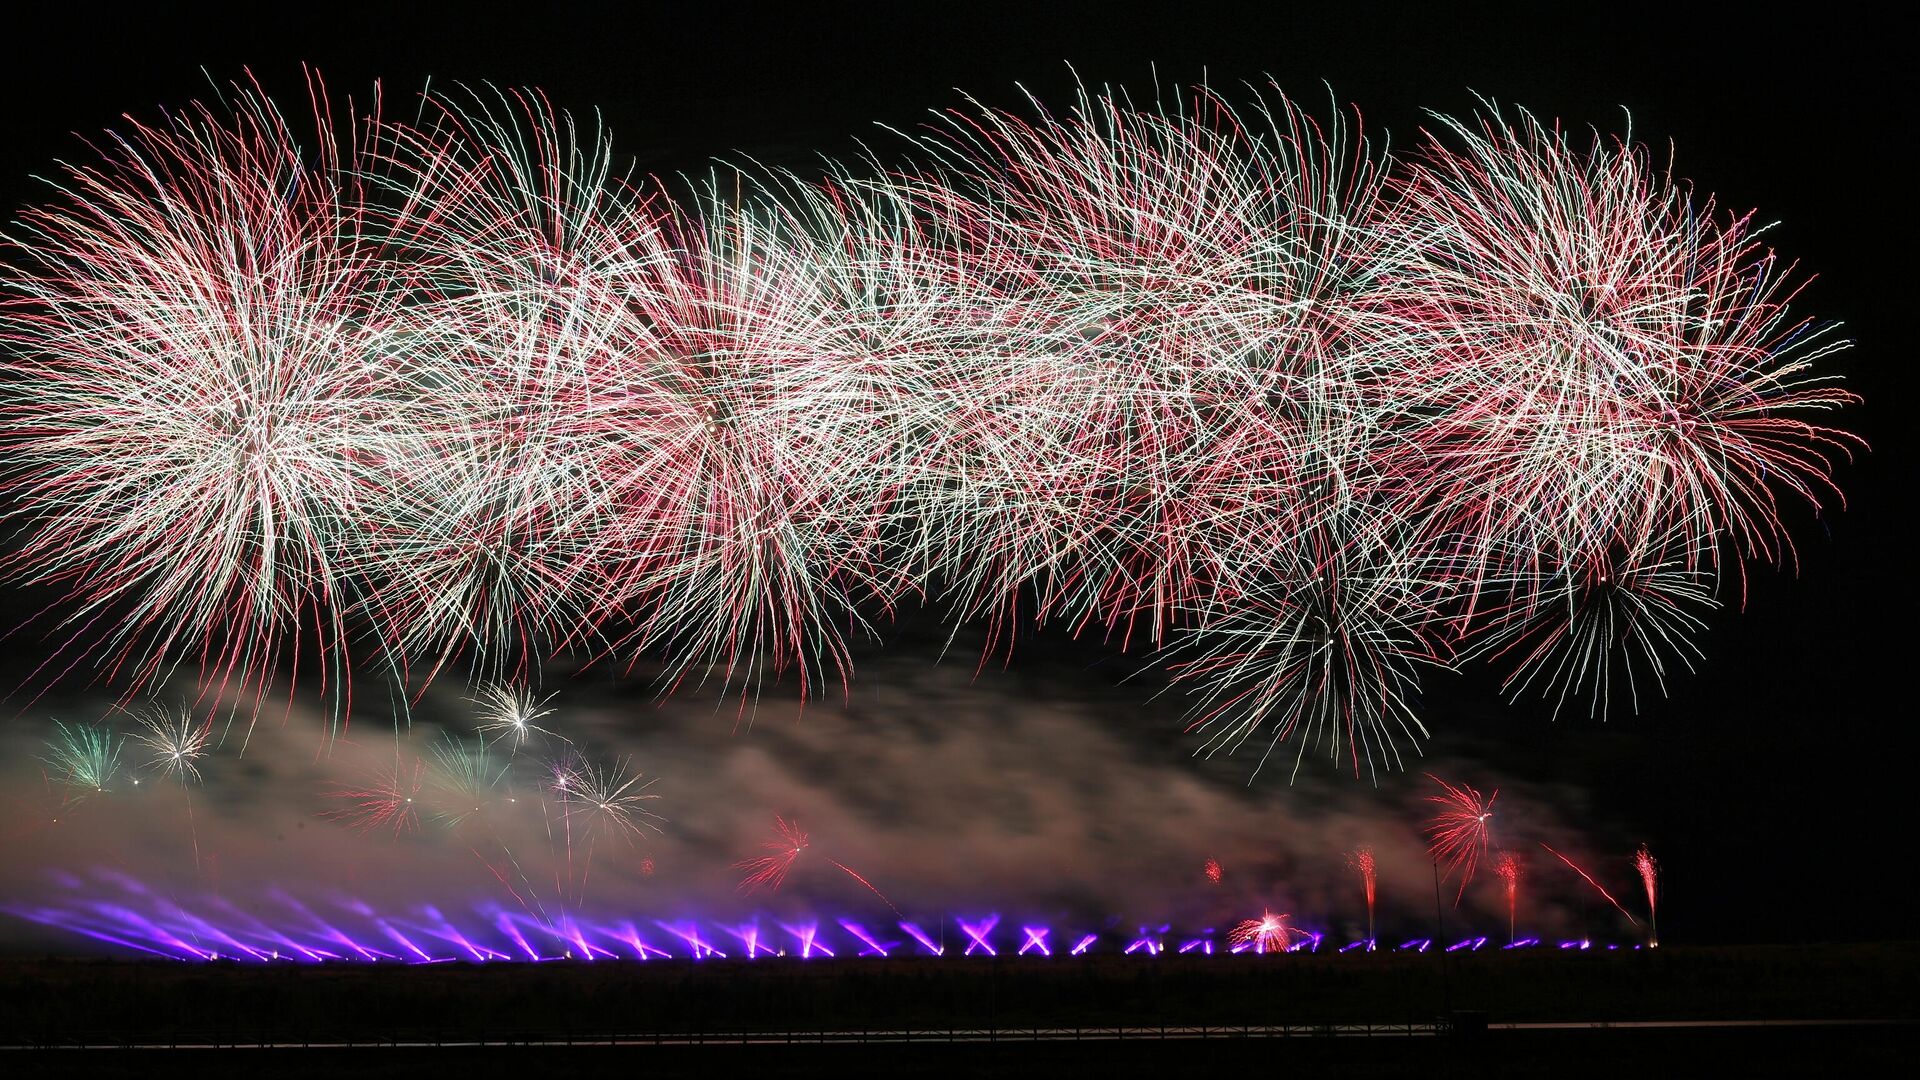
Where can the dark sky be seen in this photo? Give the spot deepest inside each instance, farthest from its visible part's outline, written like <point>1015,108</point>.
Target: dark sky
<point>1775,783</point>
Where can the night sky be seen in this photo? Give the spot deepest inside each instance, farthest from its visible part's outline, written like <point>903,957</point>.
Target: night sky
<point>1774,784</point>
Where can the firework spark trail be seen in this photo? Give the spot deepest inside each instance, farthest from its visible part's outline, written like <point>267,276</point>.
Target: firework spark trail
<point>1211,871</point>
<point>1361,859</point>
<point>1508,867</point>
<point>1459,832</point>
<point>869,886</point>
<point>1588,878</point>
<point>1649,871</point>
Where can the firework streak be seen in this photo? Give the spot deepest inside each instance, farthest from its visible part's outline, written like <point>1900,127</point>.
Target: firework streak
<point>1224,383</point>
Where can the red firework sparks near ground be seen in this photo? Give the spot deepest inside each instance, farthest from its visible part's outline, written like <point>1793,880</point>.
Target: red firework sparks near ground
<point>1268,933</point>
<point>1509,869</point>
<point>1459,831</point>
<point>1589,880</point>
<point>1650,878</point>
<point>1212,870</point>
<point>769,871</point>
<point>1361,859</point>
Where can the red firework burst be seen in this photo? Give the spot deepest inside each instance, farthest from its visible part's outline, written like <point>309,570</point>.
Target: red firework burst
<point>1268,933</point>
<point>1459,832</point>
<point>770,871</point>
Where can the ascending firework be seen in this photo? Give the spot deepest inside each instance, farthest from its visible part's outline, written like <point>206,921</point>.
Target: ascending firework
<point>1459,832</point>
<point>83,758</point>
<point>1510,871</point>
<point>1361,859</point>
<point>1588,878</point>
<point>1650,878</point>
<point>1268,933</point>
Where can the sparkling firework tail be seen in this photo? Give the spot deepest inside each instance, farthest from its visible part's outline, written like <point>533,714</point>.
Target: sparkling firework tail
<point>1510,871</point>
<point>1361,859</point>
<point>1649,870</point>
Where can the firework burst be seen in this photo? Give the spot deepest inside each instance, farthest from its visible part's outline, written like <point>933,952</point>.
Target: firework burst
<point>1224,383</point>
<point>174,742</point>
<point>509,714</point>
<point>195,388</point>
<point>1459,832</point>
<point>770,871</point>
<point>1270,933</point>
<point>83,758</point>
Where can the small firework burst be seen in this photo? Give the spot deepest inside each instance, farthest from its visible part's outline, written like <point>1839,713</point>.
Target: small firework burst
<point>387,801</point>
<point>611,799</point>
<point>1459,831</point>
<point>174,741</point>
<point>769,872</point>
<point>83,758</point>
<point>1212,871</point>
<point>1361,859</point>
<point>510,714</point>
<point>1266,934</point>
<point>463,779</point>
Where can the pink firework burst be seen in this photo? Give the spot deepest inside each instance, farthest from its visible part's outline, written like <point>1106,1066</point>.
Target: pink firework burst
<point>1268,933</point>
<point>1212,870</point>
<point>770,871</point>
<point>1458,833</point>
